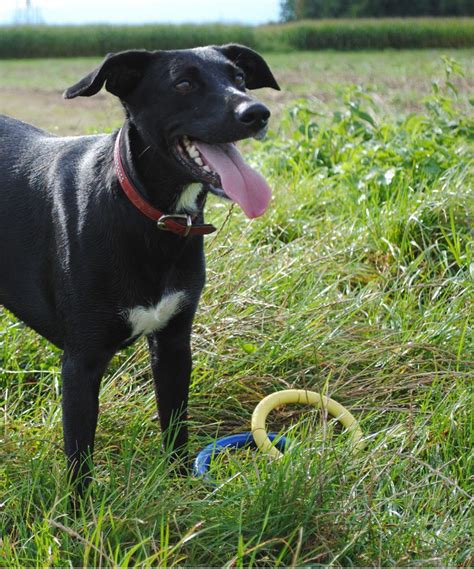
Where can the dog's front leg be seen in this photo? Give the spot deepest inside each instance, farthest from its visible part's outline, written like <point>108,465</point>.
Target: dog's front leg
<point>81,377</point>
<point>171,363</point>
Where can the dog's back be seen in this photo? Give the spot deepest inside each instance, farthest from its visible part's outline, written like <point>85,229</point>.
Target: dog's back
<point>23,204</point>
<point>35,205</point>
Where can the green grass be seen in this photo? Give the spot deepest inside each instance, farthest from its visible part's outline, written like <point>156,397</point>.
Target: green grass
<point>358,284</point>
<point>353,34</point>
<point>371,33</point>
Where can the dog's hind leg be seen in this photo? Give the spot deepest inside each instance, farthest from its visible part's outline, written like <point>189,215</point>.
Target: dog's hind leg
<point>171,364</point>
<point>81,376</point>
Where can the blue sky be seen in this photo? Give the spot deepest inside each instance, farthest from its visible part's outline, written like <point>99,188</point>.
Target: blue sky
<point>140,11</point>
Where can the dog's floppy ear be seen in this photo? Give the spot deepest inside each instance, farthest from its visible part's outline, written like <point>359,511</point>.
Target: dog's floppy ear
<point>120,72</point>
<point>257,72</point>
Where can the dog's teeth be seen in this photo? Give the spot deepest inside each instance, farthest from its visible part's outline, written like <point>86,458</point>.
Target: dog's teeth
<point>206,167</point>
<point>198,160</point>
<point>193,151</point>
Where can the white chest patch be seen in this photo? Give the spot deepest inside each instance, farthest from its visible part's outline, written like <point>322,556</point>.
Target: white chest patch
<point>187,199</point>
<point>148,319</point>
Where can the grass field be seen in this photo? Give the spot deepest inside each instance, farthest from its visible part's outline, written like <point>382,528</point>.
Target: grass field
<point>357,284</point>
<point>343,34</point>
<point>31,89</point>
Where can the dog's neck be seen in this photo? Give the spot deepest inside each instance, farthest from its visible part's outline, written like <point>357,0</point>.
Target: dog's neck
<point>157,178</point>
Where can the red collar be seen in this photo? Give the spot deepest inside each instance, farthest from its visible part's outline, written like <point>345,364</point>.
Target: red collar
<point>181,224</point>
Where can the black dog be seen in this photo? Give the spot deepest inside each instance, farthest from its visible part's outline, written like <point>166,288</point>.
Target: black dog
<point>101,236</point>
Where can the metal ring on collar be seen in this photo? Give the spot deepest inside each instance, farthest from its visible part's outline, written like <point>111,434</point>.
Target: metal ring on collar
<point>161,223</point>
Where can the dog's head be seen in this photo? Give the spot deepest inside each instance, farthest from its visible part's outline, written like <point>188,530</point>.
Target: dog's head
<point>190,106</point>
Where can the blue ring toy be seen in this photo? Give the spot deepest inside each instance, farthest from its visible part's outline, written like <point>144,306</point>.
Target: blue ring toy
<point>241,440</point>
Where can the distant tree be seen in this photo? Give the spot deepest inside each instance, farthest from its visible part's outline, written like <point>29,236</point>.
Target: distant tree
<point>288,10</point>
<point>301,9</point>
<point>309,9</point>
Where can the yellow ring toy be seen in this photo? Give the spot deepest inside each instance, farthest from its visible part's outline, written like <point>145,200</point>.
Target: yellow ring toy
<point>302,396</point>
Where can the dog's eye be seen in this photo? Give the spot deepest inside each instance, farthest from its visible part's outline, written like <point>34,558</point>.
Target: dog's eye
<point>184,86</point>
<point>240,80</point>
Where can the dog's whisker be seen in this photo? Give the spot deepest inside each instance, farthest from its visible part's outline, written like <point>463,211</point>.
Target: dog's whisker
<point>143,152</point>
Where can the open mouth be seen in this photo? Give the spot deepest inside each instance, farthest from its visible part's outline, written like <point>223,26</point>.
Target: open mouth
<point>223,168</point>
<point>191,159</point>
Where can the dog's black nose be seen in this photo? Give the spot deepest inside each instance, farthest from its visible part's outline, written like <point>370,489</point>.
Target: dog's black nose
<point>253,114</point>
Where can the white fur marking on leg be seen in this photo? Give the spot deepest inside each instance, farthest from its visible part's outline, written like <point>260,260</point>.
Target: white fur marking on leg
<point>145,320</point>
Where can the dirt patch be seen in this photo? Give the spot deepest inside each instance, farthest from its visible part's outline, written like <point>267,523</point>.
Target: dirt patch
<point>48,110</point>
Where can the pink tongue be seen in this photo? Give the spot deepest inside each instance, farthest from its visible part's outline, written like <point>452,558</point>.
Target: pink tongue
<point>241,184</point>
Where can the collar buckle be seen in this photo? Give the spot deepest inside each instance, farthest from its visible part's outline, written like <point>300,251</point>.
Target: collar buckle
<point>164,226</point>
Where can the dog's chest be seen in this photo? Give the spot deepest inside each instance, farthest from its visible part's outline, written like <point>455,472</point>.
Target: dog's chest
<point>148,319</point>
